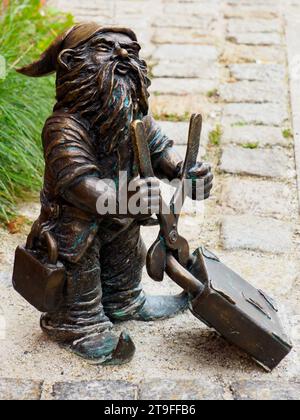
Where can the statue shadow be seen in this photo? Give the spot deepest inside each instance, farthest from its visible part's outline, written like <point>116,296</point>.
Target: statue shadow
<point>205,348</point>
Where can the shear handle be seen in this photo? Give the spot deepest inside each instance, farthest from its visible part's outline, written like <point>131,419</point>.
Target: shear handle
<point>183,277</point>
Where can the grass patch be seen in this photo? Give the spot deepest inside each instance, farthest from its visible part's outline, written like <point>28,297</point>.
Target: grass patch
<point>287,133</point>
<point>213,93</point>
<point>172,117</point>
<point>251,145</point>
<point>215,136</point>
<point>239,124</point>
<point>26,30</point>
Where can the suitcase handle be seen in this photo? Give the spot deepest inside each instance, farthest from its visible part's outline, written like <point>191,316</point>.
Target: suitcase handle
<point>50,243</point>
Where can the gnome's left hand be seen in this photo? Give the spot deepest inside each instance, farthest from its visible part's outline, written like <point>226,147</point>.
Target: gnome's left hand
<point>202,181</point>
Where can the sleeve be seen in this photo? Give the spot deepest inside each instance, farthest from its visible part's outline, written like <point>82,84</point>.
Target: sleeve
<point>157,140</point>
<point>68,153</point>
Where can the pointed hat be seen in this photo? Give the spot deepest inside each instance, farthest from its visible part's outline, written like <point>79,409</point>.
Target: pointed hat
<point>72,38</point>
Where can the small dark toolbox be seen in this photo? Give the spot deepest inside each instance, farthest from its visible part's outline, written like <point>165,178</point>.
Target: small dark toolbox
<point>40,278</point>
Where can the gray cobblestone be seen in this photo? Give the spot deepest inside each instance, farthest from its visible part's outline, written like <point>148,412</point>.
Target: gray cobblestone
<point>258,72</point>
<point>240,26</point>
<point>266,390</point>
<point>196,69</point>
<point>19,389</point>
<point>257,114</point>
<point>260,198</point>
<point>161,389</point>
<point>256,135</point>
<point>237,160</point>
<point>181,53</point>
<point>181,107</point>
<point>255,38</point>
<point>253,54</point>
<point>251,11</point>
<point>170,20</point>
<point>184,36</point>
<point>256,233</point>
<point>178,131</point>
<point>170,86</point>
<point>253,92</point>
<point>95,390</point>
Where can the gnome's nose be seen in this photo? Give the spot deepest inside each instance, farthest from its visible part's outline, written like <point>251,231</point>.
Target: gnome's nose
<point>122,53</point>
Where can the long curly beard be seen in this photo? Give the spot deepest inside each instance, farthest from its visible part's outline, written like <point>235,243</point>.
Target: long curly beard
<point>107,100</point>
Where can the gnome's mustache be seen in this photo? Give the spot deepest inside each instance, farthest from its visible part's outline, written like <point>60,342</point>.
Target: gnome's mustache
<point>133,76</point>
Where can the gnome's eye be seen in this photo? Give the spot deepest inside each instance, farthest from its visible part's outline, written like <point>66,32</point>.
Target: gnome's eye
<point>104,48</point>
<point>133,51</point>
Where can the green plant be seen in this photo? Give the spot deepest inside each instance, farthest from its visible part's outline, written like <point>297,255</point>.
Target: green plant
<point>172,117</point>
<point>213,93</point>
<point>239,124</point>
<point>251,145</point>
<point>215,136</point>
<point>26,30</point>
<point>287,133</point>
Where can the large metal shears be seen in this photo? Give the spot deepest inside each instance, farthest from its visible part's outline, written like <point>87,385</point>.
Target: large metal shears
<point>170,245</point>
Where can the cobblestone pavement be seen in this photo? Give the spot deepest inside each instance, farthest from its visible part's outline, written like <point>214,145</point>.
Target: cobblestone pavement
<point>228,60</point>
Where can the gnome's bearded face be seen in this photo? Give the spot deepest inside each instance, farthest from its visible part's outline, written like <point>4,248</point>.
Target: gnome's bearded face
<point>100,77</point>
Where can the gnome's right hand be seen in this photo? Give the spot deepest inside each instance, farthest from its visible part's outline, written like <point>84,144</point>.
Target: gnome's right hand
<point>143,197</point>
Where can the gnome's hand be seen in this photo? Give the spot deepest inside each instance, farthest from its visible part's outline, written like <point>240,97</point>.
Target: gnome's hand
<point>202,181</point>
<point>143,197</point>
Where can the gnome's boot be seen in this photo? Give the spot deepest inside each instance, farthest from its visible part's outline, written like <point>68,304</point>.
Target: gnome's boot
<point>100,347</point>
<point>105,348</point>
<point>161,307</point>
<point>151,308</point>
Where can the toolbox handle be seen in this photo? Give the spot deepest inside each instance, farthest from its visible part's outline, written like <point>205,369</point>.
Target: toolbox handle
<point>50,243</point>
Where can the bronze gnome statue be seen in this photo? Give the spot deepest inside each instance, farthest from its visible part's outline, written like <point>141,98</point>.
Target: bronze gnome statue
<point>101,88</point>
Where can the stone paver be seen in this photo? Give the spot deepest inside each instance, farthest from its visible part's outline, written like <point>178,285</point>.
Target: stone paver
<point>258,72</point>
<point>252,54</point>
<point>237,160</point>
<point>178,131</point>
<point>95,390</point>
<point>255,38</point>
<point>18,389</point>
<point>253,92</point>
<point>190,21</point>
<point>180,53</point>
<point>170,86</point>
<point>266,390</point>
<point>250,11</point>
<point>256,233</point>
<point>256,135</point>
<point>261,198</point>
<point>178,69</point>
<point>183,107</point>
<point>184,36</point>
<point>158,389</point>
<point>258,114</point>
<point>240,26</point>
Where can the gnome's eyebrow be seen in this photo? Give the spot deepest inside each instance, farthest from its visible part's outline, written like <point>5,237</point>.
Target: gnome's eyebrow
<point>103,40</point>
<point>111,43</point>
<point>135,45</point>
